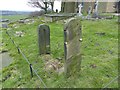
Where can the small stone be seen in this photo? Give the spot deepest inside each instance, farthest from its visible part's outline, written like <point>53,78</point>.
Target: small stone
<point>93,66</point>
<point>19,33</point>
<point>61,70</point>
<point>66,43</point>
<point>80,39</point>
<point>111,52</point>
<point>59,58</point>
<point>100,33</point>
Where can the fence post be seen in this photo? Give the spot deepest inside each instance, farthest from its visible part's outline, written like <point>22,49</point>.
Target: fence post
<point>31,71</point>
<point>18,50</point>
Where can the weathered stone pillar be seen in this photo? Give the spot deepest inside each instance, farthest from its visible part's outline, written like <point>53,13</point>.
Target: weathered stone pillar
<point>44,39</point>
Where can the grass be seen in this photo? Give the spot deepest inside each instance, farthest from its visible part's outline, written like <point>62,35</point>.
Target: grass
<point>99,56</point>
<point>14,17</point>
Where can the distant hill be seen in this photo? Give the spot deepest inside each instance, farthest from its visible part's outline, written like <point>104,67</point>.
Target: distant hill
<point>7,12</point>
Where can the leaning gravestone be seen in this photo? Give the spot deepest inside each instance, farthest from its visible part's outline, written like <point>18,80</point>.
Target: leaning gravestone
<point>72,37</point>
<point>44,39</point>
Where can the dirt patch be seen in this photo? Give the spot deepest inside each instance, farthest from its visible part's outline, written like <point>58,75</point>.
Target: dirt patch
<point>52,65</point>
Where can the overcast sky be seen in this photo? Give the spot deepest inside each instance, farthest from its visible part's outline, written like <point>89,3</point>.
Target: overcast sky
<point>21,5</point>
<point>17,5</point>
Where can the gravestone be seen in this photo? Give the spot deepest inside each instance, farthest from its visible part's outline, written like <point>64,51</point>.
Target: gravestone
<point>80,10</point>
<point>72,37</point>
<point>4,25</point>
<point>95,13</point>
<point>44,39</point>
<point>89,12</point>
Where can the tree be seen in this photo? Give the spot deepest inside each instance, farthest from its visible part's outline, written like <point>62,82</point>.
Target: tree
<point>42,4</point>
<point>52,3</point>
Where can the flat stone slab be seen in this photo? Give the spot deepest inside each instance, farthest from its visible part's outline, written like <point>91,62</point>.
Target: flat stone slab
<point>55,17</point>
<point>5,60</point>
<point>4,20</point>
<point>60,15</point>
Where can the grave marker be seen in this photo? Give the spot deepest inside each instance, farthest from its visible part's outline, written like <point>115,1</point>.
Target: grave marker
<point>80,10</point>
<point>72,37</point>
<point>44,39</point>
<point>4,25</point>
<point>95,13</point>
<point>89,12</point>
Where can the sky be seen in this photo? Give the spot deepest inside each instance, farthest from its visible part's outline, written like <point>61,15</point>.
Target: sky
<point>57,5</point>
<point>21,5</point>
<point>16,5</point>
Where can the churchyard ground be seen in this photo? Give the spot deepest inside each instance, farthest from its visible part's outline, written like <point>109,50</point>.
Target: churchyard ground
<point>99,56</point>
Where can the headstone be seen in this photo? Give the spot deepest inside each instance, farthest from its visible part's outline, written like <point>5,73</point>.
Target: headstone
<point>95,13</point>
<point>44,39</point>
<point>4,26</point>
<point>89,12</point>
<point>80,10</point>
<point>72,37</point>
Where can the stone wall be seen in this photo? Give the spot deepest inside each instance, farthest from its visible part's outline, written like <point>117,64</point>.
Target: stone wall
<point>71,7</point>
